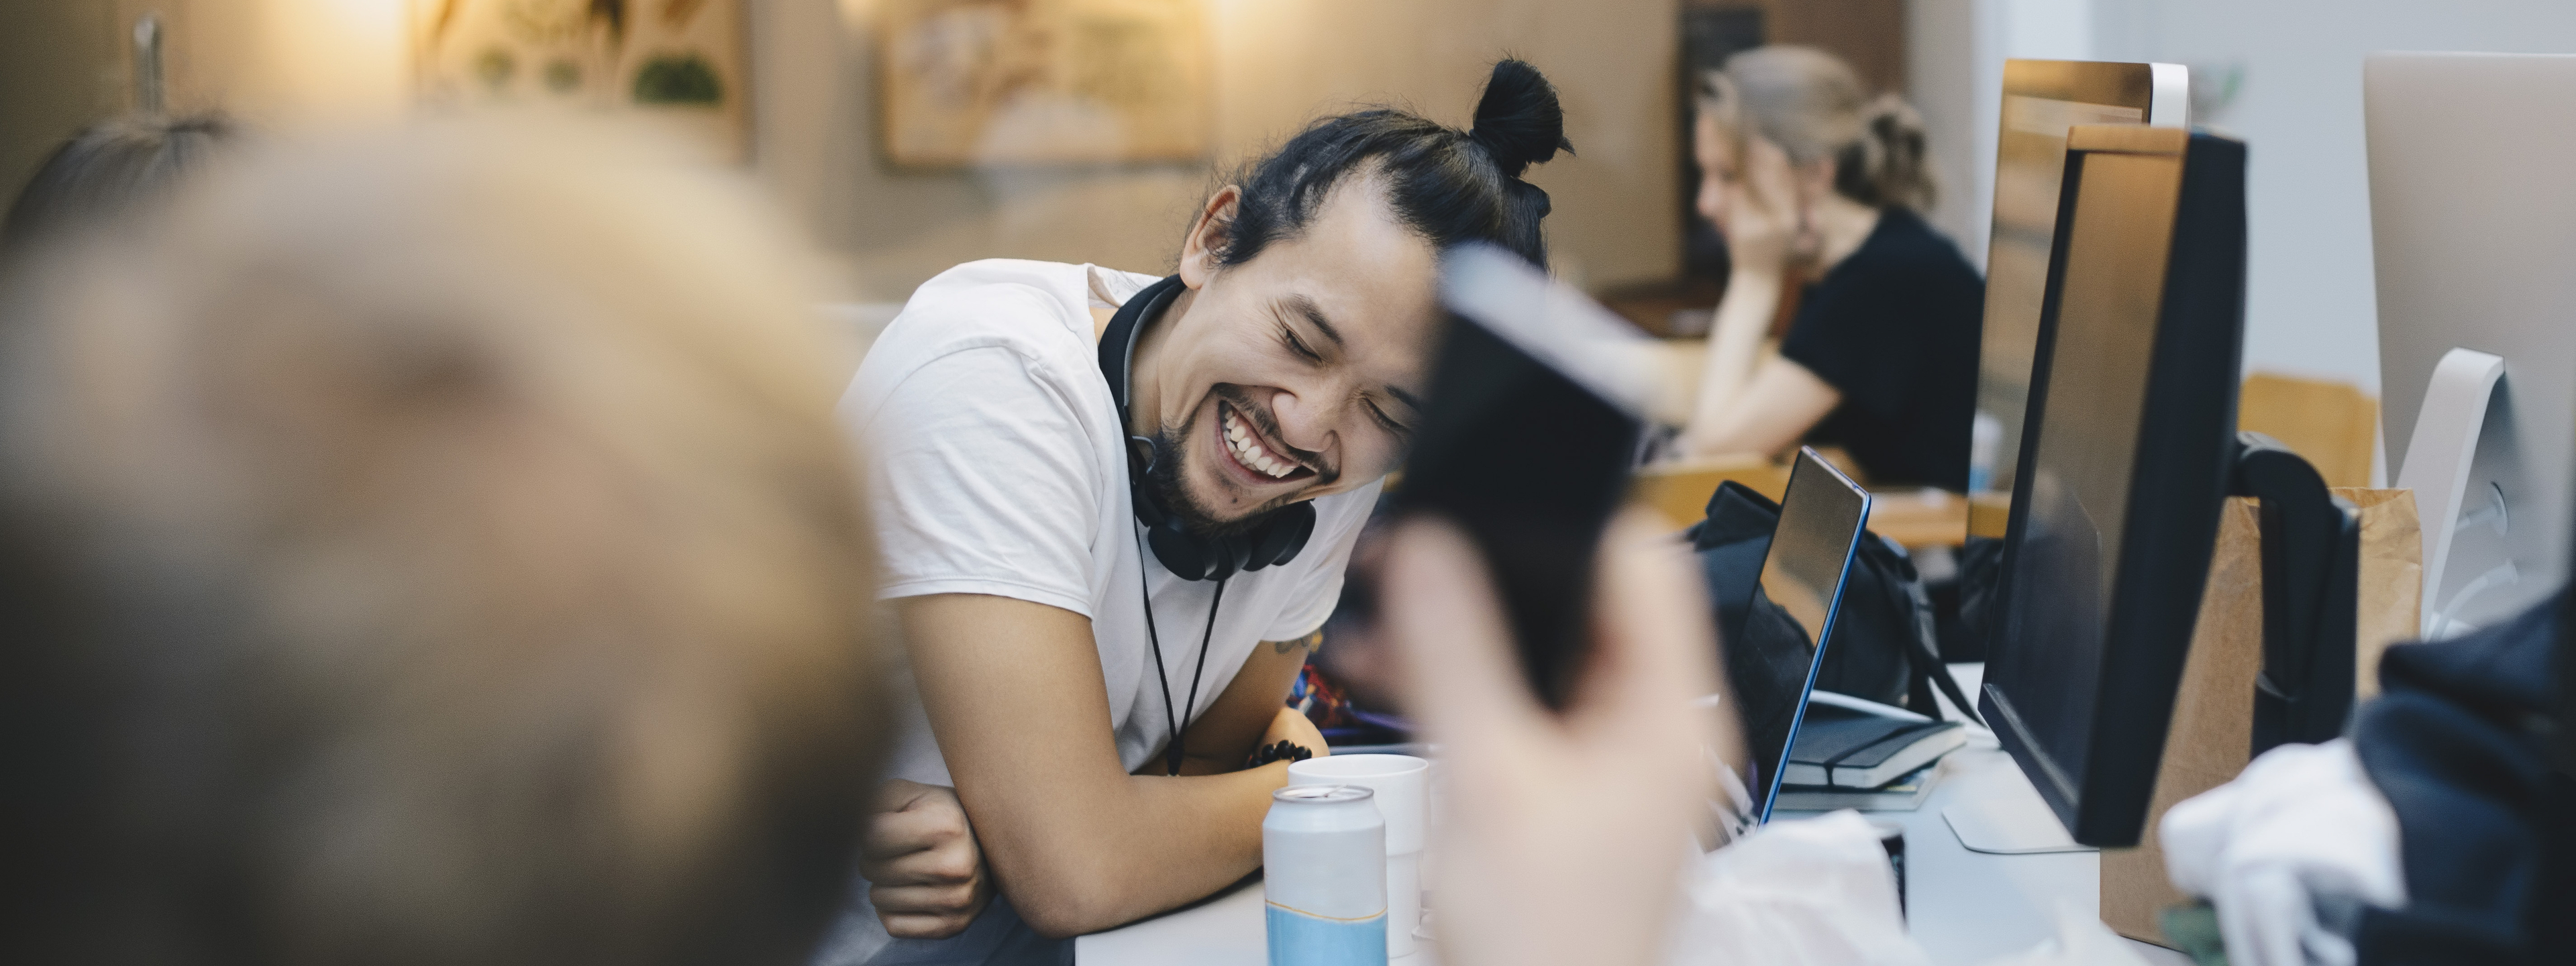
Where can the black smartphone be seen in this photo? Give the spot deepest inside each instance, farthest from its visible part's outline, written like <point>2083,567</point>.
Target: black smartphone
<point>1527,441</point>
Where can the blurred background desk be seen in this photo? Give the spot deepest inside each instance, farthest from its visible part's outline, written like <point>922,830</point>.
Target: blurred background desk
<point>1914,518</point>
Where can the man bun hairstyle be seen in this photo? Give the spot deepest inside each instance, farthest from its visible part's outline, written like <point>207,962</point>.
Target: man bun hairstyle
<point>1815,108</point>
<point>1519,121</point>
<point>1447,185</point>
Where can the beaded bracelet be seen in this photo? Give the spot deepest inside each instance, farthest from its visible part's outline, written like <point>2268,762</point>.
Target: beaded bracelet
<point>1283,751</point>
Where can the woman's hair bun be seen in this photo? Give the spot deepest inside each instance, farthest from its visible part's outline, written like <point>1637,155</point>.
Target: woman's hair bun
<point>1518,121</point>
<point>1890,165</point>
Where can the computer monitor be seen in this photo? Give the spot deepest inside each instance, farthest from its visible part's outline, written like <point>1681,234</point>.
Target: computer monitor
<point>2469,224</point>
<point>2127,456</point>
<point>1773,658</point>
<point>2041,100</point>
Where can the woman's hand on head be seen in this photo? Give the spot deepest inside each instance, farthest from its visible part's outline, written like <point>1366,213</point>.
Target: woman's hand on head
<point>1562,834</point>
<point>1759,210</point>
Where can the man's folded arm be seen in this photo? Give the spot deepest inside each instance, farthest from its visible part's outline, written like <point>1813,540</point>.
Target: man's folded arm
<point>1015,696</point>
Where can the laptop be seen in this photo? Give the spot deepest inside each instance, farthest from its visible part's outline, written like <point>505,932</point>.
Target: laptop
<point>1772,659</point>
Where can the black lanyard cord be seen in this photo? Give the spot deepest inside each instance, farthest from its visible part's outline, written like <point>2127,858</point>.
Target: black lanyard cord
<point>1171,716</point>
<point>1172,758</point>
<point>1145,595</point>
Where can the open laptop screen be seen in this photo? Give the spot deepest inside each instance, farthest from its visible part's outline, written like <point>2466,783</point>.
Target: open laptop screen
<point>1772,661</point>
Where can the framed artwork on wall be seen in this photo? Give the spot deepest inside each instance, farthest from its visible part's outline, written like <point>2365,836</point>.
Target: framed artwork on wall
<point>972,83</point>
<point>678,62</point>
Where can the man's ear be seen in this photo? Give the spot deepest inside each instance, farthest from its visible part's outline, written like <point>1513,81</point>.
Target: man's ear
<point>1209,237</point>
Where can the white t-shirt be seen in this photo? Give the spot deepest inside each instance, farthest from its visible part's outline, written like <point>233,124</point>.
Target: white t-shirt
<point>997,464</point>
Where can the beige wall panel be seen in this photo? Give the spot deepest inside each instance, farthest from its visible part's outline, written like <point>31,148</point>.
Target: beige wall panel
<point>288,63</point>
<point>1278,65</point>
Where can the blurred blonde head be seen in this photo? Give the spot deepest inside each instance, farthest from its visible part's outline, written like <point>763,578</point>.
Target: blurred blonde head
<point>440,549</point>
<point>1811,105</point>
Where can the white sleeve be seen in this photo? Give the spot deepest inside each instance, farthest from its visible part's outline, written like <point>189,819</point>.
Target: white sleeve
<point>981,480</point>
<point>1319,588</point>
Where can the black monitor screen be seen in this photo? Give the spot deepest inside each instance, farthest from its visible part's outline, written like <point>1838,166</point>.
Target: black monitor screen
<point>2087,447</point>
<point>2123,471</point>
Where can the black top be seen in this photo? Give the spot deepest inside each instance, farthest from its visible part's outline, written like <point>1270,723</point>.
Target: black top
<point>1895,329</point>
<point>2458,741</point>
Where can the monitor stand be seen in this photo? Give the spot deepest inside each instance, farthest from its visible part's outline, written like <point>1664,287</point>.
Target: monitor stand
<point>2439,454</point>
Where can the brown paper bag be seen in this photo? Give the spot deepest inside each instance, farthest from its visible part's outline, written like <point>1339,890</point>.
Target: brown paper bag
<point>2392,578</point>
<point>2212,733</point>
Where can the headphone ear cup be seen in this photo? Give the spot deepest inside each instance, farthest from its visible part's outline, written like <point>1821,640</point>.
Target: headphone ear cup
<point>1181,552</point>
<point>1281,536</point>
<point>1225,556</point>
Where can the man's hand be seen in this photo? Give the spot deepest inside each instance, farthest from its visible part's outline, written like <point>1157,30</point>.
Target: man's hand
<point>1292,725</point>
<point>925,873</point>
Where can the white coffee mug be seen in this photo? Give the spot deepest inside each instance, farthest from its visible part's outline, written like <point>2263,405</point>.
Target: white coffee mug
<point>1402,784</point>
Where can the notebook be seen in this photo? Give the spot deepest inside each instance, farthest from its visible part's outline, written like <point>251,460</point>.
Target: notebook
<point>1844,747</point>
<point>1902,795</point>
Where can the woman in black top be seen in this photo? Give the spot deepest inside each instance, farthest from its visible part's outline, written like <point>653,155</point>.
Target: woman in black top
<point>1801,169</point>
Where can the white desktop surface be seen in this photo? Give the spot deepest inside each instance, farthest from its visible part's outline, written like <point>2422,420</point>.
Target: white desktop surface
<point>1964,907</point>
<point>1226,931</point>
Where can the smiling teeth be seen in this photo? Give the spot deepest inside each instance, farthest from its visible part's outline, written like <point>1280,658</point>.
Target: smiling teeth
<point>1249,451</point>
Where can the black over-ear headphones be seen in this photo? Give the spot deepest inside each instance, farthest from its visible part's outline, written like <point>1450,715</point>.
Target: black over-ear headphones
<point>1274,539</point>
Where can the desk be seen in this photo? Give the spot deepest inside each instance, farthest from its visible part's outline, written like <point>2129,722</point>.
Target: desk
<point>1920,518</point>
<point>1226,931</point>
<point>1911,517</point>
<point>1965,907</point>
<point>1969,907</point>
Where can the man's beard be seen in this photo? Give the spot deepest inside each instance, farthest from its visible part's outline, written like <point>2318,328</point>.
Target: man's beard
<point>1163,481</point>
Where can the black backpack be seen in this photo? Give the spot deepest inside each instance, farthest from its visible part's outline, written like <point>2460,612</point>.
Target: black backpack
<point>1886,648</point>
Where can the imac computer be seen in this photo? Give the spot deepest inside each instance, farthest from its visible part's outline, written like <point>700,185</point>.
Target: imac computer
<point>2127,454</point>
<point>2470,222</point>
<point>2041,100</point>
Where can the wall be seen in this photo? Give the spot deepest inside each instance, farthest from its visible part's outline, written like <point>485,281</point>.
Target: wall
<point>2310,301</point>
<point>1956,55</point>
<point>287,63</point>
<point>2310,305</point>
<point>1279,64</point>
<point>279,63</point>
<point>58,63</point>
<point>1941,60</point>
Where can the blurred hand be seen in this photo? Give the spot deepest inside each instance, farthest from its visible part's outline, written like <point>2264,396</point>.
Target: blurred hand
<point>1561,836</point>
<point>926,876</point>
<point>1292,725</point>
